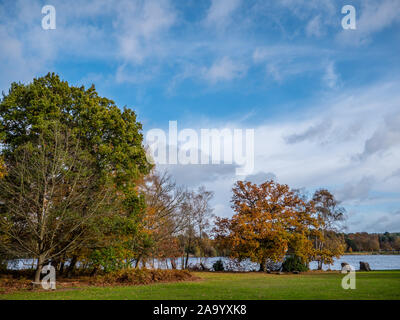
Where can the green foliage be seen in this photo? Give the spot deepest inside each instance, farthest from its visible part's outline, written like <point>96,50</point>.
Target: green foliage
<point>111,143</point>
<point>294,263</point>
<point>351,244</point>
<point>218,265</point>
<point>109,259</point>
<point>112,136</point>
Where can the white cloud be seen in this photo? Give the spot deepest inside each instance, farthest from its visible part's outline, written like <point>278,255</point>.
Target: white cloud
<point>314,132</point>
<point>286,61</point>
<point>378,221</point>
<point>331,78</point>
<point>314,27</point>
<point>358,191</point>
<point>220,13</point>
<point>140,28</point>
<point>386,136</point>
<point>224,69</point>
<point>260,177</point>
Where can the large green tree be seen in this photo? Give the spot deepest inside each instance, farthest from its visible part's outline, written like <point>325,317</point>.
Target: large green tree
<point>111,135</point>
<point>110,138</point>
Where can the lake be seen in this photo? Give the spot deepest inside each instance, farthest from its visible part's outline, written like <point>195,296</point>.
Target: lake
<point>376,262</point>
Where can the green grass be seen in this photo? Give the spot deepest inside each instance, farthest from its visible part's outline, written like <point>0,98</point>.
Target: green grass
<point>370,285</point>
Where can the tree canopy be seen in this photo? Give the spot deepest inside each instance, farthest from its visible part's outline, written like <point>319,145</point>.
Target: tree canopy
<point>270,221</point>
<point>111,135</point>
<point>69,154</point>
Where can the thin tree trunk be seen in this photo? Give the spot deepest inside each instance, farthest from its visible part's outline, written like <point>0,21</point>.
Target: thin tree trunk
<point>138,262</point>
<point>262,267</point>
<point>187,259</point>
<point>173,263</point>
<point>71,266</point>
<point>94,272</point>
<point>40,262</point>
<point>183,260</point>
<point>61,267</point>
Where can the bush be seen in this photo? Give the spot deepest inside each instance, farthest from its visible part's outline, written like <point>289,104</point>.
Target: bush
<point>294,263</point>
<point>142,276</point>
<point>109,259</point>
<point>218,265</point>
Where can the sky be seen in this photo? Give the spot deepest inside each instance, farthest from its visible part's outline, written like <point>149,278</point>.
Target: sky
<point>324,101</point>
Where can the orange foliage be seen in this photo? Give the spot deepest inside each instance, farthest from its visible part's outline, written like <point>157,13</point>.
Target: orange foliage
<point>270,220</point>
<point>2,168</point>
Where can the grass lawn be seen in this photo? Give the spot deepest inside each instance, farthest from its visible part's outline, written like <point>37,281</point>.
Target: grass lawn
<point>312,285</point>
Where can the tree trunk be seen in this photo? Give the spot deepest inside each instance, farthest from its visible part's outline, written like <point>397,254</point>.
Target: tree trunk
<point>262,267</point>
<point>61,267</point>
<point>94,272</point>
<point>320,264</point>
<point>55,263</point>
<point>137,264</point>
<point>173,263</point>
<point>187,260</point>
<point>40,262</point>
<point>71,266</point>
<point>183,261</point>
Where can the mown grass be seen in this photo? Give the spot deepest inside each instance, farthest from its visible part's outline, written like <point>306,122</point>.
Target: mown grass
<point>242,286</point>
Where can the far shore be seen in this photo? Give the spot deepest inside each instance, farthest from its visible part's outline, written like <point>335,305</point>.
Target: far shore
<point>372,253</point>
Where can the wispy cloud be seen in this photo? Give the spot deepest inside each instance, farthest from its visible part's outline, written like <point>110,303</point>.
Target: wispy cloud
<point>224,69</point>
<point>331,77</point>
<point>385,137</point>
<point>220,13</point>
<point>142,26</point>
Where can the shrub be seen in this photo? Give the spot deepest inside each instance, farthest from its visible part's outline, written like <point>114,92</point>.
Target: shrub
<point>294,263</point>
<point>218,265</point>
<point>109,259</point>
<point>142,276</point>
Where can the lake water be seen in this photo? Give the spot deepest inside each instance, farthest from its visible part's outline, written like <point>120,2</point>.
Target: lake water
<point>376,262</point>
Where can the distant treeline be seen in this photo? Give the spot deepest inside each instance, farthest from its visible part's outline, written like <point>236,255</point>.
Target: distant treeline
<point>363,241</point>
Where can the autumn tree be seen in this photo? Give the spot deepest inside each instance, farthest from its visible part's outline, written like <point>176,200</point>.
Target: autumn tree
<point>2,168</point>
<point>270,221</point>
<point>331,215</point>
<point>164,215</point>
<point>173,211</point>
<point>164,199</point>
<point>198,214</point>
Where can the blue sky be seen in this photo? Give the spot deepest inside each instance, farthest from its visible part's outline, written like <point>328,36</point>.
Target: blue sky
<point>324,101</point>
